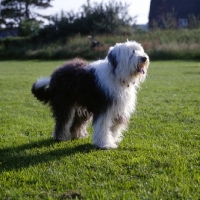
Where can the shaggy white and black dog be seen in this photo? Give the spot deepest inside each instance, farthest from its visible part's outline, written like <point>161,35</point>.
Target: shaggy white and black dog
<point>104,90</point>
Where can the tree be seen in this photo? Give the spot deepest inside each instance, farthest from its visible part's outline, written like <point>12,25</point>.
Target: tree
<point>98,18</point>
<point>13,12</point>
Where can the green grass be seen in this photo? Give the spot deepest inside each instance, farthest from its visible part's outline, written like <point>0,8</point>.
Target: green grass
<point>159,157</point>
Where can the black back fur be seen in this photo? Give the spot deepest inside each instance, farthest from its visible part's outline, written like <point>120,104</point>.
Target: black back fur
<point>73,85</point>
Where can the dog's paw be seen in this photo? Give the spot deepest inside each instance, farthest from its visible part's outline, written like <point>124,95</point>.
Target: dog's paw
<point>81,134</point>
<point>59,137</point>
<point>106,146</point>
<point>118,139</point>
<point>84,135</point>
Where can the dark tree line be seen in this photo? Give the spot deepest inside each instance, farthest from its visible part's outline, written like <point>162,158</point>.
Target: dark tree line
<point>97,18</point>
<point>14,12</point>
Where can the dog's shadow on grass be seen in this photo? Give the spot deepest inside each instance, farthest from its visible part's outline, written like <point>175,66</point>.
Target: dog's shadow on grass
<point>21,157</point>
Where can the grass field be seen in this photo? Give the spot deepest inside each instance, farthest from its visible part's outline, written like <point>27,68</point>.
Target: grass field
<point>159,157</point>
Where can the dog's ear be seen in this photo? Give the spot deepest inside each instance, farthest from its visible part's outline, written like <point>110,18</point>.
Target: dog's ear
<point>112,58</point>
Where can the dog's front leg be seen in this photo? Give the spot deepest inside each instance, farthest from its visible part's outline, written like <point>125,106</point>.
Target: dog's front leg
<point>102,137</point>
<point>119,125</point>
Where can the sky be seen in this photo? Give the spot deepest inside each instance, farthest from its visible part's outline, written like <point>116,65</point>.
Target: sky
<point>139,8</point>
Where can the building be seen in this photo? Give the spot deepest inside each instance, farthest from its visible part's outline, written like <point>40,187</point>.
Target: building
<point>173,11</point>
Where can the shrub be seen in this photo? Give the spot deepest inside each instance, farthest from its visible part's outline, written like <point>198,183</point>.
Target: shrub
<point>168,44</point>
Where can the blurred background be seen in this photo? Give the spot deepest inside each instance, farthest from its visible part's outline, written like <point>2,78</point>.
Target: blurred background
<point>57,29</point>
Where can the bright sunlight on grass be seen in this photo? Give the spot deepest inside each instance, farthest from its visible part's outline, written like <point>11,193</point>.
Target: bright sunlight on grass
<point>159,157</point>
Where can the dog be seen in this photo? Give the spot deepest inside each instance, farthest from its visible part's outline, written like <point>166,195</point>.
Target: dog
<point>104,91</point>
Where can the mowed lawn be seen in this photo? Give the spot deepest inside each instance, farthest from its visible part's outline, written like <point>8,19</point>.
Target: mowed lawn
<point>159,157</point>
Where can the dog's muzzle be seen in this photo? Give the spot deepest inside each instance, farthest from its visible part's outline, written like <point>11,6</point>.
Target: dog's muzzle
<point>140,66</point>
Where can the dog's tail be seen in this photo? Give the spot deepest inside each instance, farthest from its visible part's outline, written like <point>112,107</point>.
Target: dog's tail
<point>40,89</point>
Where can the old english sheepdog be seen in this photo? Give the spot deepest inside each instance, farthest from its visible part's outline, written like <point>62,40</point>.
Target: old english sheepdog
<point>104,91</point>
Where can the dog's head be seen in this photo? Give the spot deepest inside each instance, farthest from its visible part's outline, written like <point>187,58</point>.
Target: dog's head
<point>129,61</point>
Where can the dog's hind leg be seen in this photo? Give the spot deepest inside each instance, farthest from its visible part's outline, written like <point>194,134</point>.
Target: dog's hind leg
<point>64,120</point>
<point>80,123</point>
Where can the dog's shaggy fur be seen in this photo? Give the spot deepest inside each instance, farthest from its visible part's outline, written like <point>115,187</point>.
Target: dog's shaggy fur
<point>104,90</point>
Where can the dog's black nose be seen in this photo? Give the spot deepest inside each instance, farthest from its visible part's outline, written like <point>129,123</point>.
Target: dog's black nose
<point>143,59</point>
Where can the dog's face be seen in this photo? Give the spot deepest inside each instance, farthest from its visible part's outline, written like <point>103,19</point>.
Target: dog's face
<point>129,61</point>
